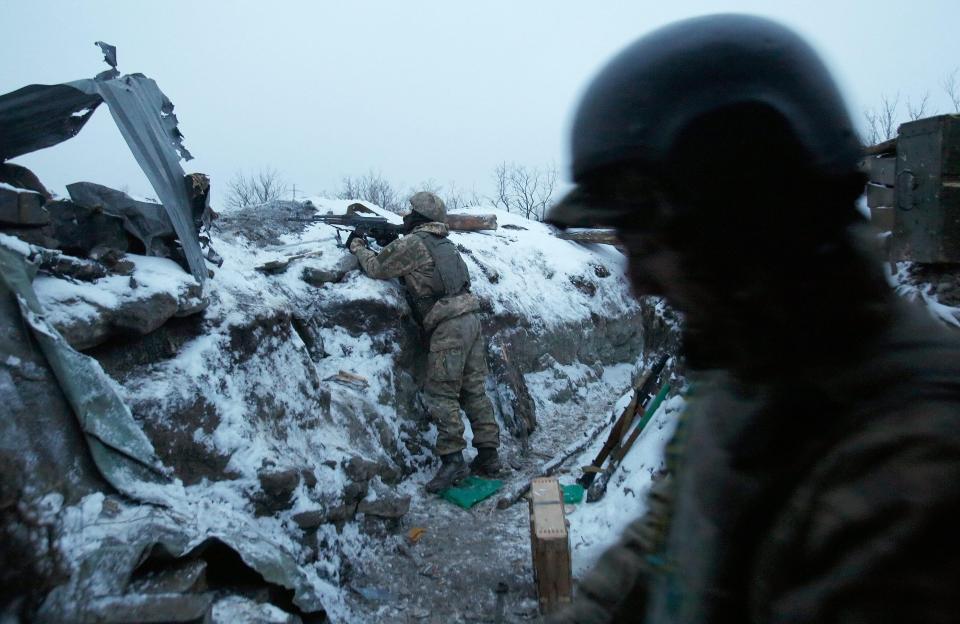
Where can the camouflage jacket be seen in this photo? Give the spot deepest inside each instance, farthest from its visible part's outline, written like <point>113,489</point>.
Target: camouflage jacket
<point>833,500</point>
<point>409,258</point>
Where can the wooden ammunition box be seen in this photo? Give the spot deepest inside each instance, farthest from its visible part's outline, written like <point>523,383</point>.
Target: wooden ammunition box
<point>550,545</point>
<point>926,227</point>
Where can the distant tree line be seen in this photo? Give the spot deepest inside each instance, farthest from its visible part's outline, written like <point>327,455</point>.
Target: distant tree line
<point>883,121</point>
<point>527,191</point>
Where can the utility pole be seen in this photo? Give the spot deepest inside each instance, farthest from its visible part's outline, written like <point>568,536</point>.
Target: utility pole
<point>294,192</point>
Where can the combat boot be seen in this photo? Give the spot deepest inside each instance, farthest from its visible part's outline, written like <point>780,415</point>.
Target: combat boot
<point>452,471</point>
<point>487,463</point>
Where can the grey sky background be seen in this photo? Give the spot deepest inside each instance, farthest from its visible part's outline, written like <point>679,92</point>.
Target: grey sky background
<point>415,90</point>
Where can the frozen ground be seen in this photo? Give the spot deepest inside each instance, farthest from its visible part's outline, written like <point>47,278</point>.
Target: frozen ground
<point>245,391</point>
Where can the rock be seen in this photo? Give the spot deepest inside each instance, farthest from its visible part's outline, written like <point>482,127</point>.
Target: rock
<point>21,177</point>
<point>113,259</point>
<point>389,475</point>
<point>63,265</point>
<point>149,608</point>
<point>385,507</point>
<point>355,492</point>
<point>584,285</point>
<point>600,271</point>
<point>79,229</point>
<point>307,520</point>
<point>359,469</point>
<point>182,576</point>
<point>145,315</point>
<point>22,207</point>
<point>310,520</point>
<point>319,277</point>
<point>348,262</point>
<point>277,489</point>
<point>137,311</point>
<point>309,477</point>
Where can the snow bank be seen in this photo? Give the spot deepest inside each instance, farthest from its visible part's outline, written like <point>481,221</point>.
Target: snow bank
<point>251,388</point>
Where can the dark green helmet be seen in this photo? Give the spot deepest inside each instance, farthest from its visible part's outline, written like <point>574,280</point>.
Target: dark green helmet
<point>429,205</point>
<point>637,108</point>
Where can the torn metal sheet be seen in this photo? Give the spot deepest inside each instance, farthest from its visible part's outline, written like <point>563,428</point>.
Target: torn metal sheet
<point>39,116</point>
<point>146,121</point>
<point>146,220</point>
<point>121,451</point>
<point>109,53</point>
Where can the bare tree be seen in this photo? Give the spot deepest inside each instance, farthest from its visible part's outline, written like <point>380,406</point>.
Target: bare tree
<point>263,187</point>
<point>524,190</point>
<point>918,111</point>
<point>373,188</point>
<point>952,88</point>
<point>501,191</point>
<point>882,123</point>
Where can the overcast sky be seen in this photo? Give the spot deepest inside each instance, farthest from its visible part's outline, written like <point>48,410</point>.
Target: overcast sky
<point>415,90</point>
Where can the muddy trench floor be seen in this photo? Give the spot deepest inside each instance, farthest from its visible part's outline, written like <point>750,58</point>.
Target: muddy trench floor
<point>451,573</point>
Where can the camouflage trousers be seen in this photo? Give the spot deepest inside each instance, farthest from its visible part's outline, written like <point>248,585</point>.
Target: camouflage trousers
<point>456,374</point>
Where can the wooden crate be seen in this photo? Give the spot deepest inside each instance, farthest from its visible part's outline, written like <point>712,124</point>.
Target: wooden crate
<point>927,224</point>
<point>550,545</point>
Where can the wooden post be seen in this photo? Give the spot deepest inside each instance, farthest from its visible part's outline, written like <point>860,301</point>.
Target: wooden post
<point>470,222</point>
<point>550,545</point>
<point>606,237</point>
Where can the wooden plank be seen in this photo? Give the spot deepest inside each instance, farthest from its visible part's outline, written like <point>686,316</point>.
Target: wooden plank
<point>550,545</point>
<point>882,217</point>
<point>878,196</point>
<point>882,171</point>
<point>887,147</point>
<point>470,222</point>
<point>605,237</point>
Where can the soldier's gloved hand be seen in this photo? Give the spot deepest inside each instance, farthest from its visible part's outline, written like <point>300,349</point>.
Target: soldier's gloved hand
<point>355,242</point>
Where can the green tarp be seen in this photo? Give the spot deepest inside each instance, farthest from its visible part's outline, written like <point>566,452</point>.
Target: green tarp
<point>572,494</point>
<point>121,451</point>
<point>471,491</point>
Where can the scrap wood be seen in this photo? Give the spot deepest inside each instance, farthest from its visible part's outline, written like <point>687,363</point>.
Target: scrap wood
<point>350,379</point>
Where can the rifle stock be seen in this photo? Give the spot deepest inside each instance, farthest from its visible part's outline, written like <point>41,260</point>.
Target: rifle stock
<point>640,397</point>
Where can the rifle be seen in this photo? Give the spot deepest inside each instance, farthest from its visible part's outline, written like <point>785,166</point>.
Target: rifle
<point>377,228</point>
<point>596,491</point>
<point>641,394</point>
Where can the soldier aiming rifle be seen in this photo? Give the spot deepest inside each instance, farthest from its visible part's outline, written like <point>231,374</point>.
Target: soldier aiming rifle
<point>439,287</point>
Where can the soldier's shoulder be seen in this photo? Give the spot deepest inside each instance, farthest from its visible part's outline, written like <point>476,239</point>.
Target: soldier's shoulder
<point>408,242</point>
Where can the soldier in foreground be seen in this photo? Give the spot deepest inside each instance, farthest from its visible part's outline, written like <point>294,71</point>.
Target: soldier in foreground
<point>439,287</point>
<point>814,475</point>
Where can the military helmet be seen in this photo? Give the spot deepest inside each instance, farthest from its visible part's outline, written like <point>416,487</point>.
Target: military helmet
<point>642,101</point>
<point>429,205</point>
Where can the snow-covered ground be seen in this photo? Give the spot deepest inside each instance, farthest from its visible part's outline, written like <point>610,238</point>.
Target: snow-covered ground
<point>244,392</point>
